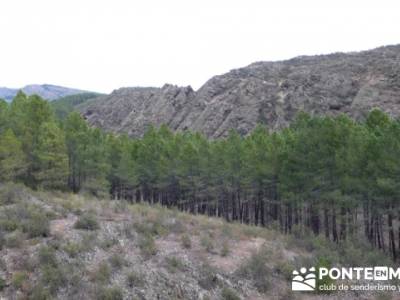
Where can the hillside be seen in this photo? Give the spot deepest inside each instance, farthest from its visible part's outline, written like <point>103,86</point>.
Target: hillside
<point>63,246</point>
<point>264,92</point>
<point>46,91</point>
<point>65,105</point>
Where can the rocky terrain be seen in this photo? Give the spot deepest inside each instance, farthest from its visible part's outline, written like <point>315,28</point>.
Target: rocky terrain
<point>46,91</point>
<point>57,245</point>
<point>263,92</point>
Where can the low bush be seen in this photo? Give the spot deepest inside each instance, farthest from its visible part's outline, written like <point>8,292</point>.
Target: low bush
<point>151,227</point>
<point>120,206</point>
<point>117,261</point>
<point>225,248</point>
<point>176,226</point>
<point>255,269</point>
<point>147,246</point>
<point>28,218</point>
<point>108,242</point>
<point>285,268</point>
<point>103,273</point>
<point>174,264</point>
<point>207,243</point>
<point>39,292</point>
<point>2,284</point>
<point>323,263</point>
<point>37,225</point>
<point>73,249</point>
<point>229,294</point>
<point>113,293</point>
<point>47,256</point>
<point>14,239</point>
<point>208,279</point>
<point>54,277</point>
<point>19,279</point>
<point>8,224</point>
<point>186,241</point>
<point>134,279</point>
<point>87,221</point>
<point>11,193</point>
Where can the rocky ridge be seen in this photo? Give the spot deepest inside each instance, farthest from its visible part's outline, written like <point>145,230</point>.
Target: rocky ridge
<point>271,93</point>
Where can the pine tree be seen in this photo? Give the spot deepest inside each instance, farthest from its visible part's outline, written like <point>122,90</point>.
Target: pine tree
<point>77,142</point>
<point>12,158</point>
<point>51,160</point>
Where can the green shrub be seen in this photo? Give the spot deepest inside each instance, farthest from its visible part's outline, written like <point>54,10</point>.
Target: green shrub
<point>2,284</point>
<point>323,263</point>
<point>186,241</point>
<point>176,226</point>
<point>28,218</point>
<point>73,249</point>
<point>11,193</point>
<point>207,243</point>
<point>134,279</point>
<point>113,293</point>
<point>117,261</point>
<point>120,206</point>
<point>89,240</point>
<point>226,231</point>
<point>47,256</point>
<point>14,239</point>
<point>208,279</point>
<point>87,221</point>
<point>102,273</point>
<point>229,294</point>
<point>285,268</point>
<point>147,246</point>
<point>153,228</point>
<point>54,277</point>
<point>109,242</point>
<point>225,248</point>
<point>39,292</point>
<point>18,279</point>
<point>255,268</point>
<point>8,224</point>
<point>174,264</point>
<point>37,225</point>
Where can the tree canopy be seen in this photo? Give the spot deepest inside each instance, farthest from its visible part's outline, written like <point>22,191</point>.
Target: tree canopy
<point>319,174</point>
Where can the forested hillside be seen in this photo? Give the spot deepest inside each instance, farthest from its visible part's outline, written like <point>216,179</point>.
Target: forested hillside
<point>65,105</point>
<point>328,176</point>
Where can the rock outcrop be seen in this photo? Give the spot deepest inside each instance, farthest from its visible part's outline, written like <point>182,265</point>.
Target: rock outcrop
<point>264,92</point>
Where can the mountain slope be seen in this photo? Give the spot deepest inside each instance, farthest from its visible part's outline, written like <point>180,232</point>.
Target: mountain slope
<point>64,105</point>
<point>46,91</point>
<point>264,92</point>
<point>66,246</point>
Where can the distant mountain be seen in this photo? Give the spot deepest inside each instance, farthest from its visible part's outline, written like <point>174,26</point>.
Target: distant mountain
<point>270,93</point>
<point>46,91</point>
<point>7,94</point>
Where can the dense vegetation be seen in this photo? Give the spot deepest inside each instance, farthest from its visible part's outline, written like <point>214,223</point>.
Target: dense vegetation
<point>331,176</point>
<point>64,106</point>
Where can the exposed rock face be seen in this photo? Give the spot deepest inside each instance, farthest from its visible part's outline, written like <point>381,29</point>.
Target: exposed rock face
<point>264,92</point>
<point>132,110</point>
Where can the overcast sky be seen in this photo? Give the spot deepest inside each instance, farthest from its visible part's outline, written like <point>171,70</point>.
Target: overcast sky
<point>103,45</point>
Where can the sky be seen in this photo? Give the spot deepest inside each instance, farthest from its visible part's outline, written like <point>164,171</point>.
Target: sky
<point>100,45</point>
